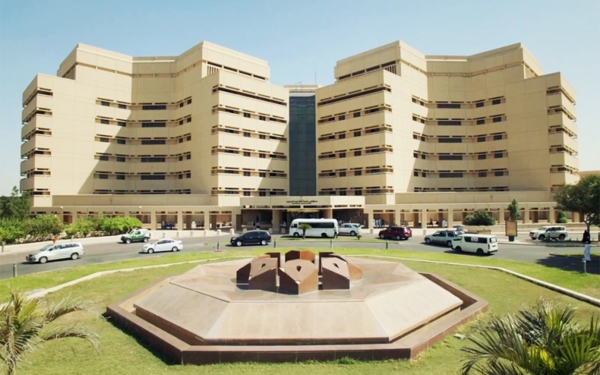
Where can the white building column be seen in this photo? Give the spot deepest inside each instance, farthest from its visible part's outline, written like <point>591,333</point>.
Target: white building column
<point>152,220</point>
<point>526,215</point>
<point>397,217</point>
<point>450,218</point>
<point>551,216</point>
<point>501,216</point>
<point>206,219</point>
<point>179,220</point>
<point>424,218</point>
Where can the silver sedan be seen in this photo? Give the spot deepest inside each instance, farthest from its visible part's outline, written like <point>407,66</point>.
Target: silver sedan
<point>442,237</point>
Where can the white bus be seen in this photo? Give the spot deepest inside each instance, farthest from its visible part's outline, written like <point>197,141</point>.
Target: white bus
<point>318,228</point>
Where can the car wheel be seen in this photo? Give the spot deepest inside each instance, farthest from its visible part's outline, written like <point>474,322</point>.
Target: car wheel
<point>541,237</point>
<point>480,252</point>
<point>382,236</point>
<point>449,243</point>
<point>263,243</point>
<point>145,239</point>
<point>296,234</point>
<point>353,233</point>
<point>74,256</point>
<point>427,240</point>
<point>398,238</point>
<point>174,249</point>
<point>128,241</point>
<point>150,251</point>
<point>324,235</point>
<point>457,249</point>
<point>43,260</point>
<point>238,243</point>
<point>561,237</point>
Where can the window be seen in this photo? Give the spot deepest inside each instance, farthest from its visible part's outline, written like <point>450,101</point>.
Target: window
<point>480,139</point>
<point>120,177</point>
<point>154,142</point>
<point>153,160</point>
<point>479,104</point>
<point>482,174</point>
<point>415,155</point>
<point>497,137</point>
<point>262,156</point>
<point>154,107</point>
<point>262,136</point>
<point>189,119</point>
<point>103,176</point>
<point>189,101</point>
<point>357,133</point>
<point>104,121</point>
<point>120,159</point>
<point>451,157</point>
<point>148,177</point>
<point>451,175</point>
<point>481,121</point>
<point>342,118</point>
<point>499,173</point>
<point>246,134</point>
<point>121,141</point>
<point>343,174</point>
<point>450,123</point>
<point>448,105</point>
<point>105,140</point>
<point>358,173</point>
<point>103,158</point>
<point>188,175</point>
<point>180,104</point>
<point>188,157</point>
<point>106,104</point>
<point>262,193</point>
<point>496,101</point>
<point>262,174</point>
<point>341,136</point>
<point>121,123</point>
<point>246,173</point>
<point>416,174</point>
<point>247,115</point>
<point>497,119</point>
<point>423,174</point>
<point>154,125</point>
<point>262,118</point>
<point>246,153</point>
<point>498,155</point>
<point>481,157</point>
<point>247,194</point>
<point>343,192</point>
<point>423,156</point>
<point>358,192</point>
<point>180,122</point>
<point>356,114</point>
<point>357,153</point>
<point>450,140</point>
<point>342,155</point>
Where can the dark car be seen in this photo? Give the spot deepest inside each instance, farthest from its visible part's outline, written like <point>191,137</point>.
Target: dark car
<point>397,233</point>
<point>253,237</point>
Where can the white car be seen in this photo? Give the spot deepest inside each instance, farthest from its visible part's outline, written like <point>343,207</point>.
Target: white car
<point>349,228</point>
<point>166,244</point>
<point>65,250</point>
<point>550,232</point>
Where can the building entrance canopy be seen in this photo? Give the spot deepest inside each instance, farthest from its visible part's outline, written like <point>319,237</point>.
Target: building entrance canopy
<point>303,202</point>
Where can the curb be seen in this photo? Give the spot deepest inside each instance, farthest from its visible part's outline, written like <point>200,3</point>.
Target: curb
<point>571,293</point>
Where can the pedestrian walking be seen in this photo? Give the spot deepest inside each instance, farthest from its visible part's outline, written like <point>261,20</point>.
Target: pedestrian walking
<point>587,241</point>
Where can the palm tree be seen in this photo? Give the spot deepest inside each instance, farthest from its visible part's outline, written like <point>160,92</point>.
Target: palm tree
<point>543,340</point>
<point>24,326</point>
<point>304,227</point>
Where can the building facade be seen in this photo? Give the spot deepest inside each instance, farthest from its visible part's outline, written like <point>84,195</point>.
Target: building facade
<point>205,138</point>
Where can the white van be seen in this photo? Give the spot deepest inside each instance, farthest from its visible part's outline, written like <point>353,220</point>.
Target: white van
<point>64,250</point>
<point>318,228</point>
<point>475,243</point>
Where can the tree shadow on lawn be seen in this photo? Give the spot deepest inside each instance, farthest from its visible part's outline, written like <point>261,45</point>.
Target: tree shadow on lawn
<point>570,263</point>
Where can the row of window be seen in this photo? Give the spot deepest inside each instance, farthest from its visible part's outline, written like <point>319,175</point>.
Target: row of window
<point>249,115</point>
<point>248,153</point>
<point>144,123</point>
<point>461,174</point>
<point>359,132</point>
<point>247,94</point>
<point>479,156</point>
<point>369,190</point>
<point>263,173</point>
<point>354,95</point>
<point>460,138</point>
<point>457,189</point>
<point>354,114</point>
<point>386,66</point>
<point>214,67</point>
<point>341,154</point>
<point>460,121</point>
<point>121,192</point>
<point>143,177</point>
<point>560,109</point>
<point>356,171</point>
<point>37,112</point>
<point>143,141</point>
<point>144,158</point>
<point>458,104</point>
<point>38,91</point>
<point>144,106</point>
<point>248,192</point>
<point>247,133</point>
<point>35,132</point>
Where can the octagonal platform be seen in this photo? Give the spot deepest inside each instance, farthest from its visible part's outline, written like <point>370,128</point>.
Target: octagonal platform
<point>203,316</point>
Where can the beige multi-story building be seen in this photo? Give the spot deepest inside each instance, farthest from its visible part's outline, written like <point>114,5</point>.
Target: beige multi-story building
<point>203,137</point>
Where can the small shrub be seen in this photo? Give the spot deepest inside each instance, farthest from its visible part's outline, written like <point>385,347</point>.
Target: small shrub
<point>11,230</point>
<point>480,218</point>
<point>43,227</point>
<point>562,217</point>
<point>358,236</point>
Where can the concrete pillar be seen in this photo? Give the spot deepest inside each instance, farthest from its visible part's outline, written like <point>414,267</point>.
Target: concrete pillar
<point>501,216</point>
<point>206,220</point>
<point>576,217</point>
<point>526,215</point>
<point>424,218</point>
<point>397,218</point>
<point>328,213</point>
<point>551,216</point>
<point>179,220</point>
<point>276,221</point>
<point>234,218</point>
<point>450,218</point>
<point>74,216</point>
<point>152,220</point>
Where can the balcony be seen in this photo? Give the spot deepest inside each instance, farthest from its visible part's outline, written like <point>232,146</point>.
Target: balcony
<point>562,139</point>
<point>563,158</point>
<point>36,162</point>
<point>556,119</point>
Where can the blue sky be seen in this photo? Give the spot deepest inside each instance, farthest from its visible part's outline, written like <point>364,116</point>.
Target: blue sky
<point>299,39</point>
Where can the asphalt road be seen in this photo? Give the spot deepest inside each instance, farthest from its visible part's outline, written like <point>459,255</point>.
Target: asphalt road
<point>100,253</point>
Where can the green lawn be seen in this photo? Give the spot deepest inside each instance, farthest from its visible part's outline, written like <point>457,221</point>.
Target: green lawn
<point>120,353</point>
